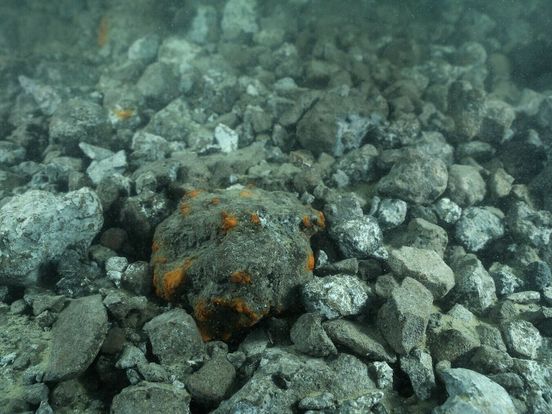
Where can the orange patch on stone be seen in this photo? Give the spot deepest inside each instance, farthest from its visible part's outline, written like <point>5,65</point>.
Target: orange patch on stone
<point>254,218</point>
<point>229,221</point>
<point>184,209</point>
<point>240,277</point>
<point>310,262</point>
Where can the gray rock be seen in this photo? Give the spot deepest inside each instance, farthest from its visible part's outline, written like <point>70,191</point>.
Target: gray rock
<point>470,392</point>
<point>359,237</point>
<point>419,368</point>
<point>505,278</point>
<point>323,401</point>
<point>137,279</point>
<point>35,393</point>
<point>360,164</point>
<point>422,234</point>
<point>465,185</point>
<point>151,398</point>
<point>418,179</point>
<point>403,319</point>
<point>522,339</point>
<point>383,374</point>
<point>391,213</point>
<point>77,121</point>
<point>131,357</point>
<point>284,378</point>
<point>477,227</point>
<point>530,226</point>
<point>147,147</point>
<point>159,84</point>
<point>226,138</point>
<point>114,164</point>
<point>345,266</point>
<point>500,183</point>
<point>497,120</point>
<point>453,336</point>
<point>37,227</point>
<point>360,339</point>
<point>385,284</point>
<point>335,124</point>
<point>423,265</point>
<point>489,360</point>
<point>144,49</point>
<point>239,17</point>
<point>310,338</point>
<point>335,296</point>
<point>538,275</point>
<point>176,341</point>
<point>77,336</point>
<point>466,105</point>
<point>213,381</point>
<point>475,288</point>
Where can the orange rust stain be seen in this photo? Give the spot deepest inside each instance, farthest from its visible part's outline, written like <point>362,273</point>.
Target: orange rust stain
<point>174,278</point>
<point>246,194</point>
<point>310,262</point>
<point>240,277</point>
<point>202,311</point>
<point>254,218</point>
<point>159,260</point>
<point>240,306</point>
<point>321,220</point>
<point>214,201</point>
<point>193,193</point>
<point>229,221</point>
<point>306,222</point>
<point>103,31</point>
<point>124,114</point>
<point>155,246</point>
<point>184,209</point>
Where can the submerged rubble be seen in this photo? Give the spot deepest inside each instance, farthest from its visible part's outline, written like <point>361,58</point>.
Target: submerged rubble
<point>240,206</point>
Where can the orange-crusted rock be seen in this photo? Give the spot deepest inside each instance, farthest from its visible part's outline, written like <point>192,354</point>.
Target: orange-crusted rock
<point>234,261</point>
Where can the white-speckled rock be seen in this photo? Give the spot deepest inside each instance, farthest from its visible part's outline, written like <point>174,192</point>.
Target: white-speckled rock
<point>38,226</point>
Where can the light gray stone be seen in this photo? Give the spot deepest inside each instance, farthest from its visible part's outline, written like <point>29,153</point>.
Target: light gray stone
<point>425,266</point>
<point>37,227</point>
<point>470,392</point>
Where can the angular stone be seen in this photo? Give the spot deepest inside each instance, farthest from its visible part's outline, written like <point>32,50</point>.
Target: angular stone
<point>423,265</point>
<point>419,368</point>
<point>522,339</point>
<point>403,319</point>
<point>474,288</point>
<point>360,339</point>
<point>309,337</point>
<point>175,340</point>
<point>418,179</point>
<point>335,296</point>
<point>477,227</point>
<point>465,185</point>
<point>77,335</point>
<point>153,398</point>
<point>470,392</point>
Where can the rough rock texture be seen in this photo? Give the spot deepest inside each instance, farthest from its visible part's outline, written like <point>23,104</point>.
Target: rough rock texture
<point>175,340</point>
<point>151,398</point>
<point>403,319</point>
<point>37,227</point>
<point>474,393</point>
<point>77,335</point>
<point>425,266</point>
<point>234,256</point>
<point>418,179</point>
<point>335,296</point>
<point>465,185</point>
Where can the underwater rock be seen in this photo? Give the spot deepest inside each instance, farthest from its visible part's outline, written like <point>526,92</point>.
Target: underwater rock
<point>234,256</point>
<point>38,226</point>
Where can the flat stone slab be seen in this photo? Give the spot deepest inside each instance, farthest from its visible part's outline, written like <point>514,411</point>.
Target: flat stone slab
<point>77,336</point>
